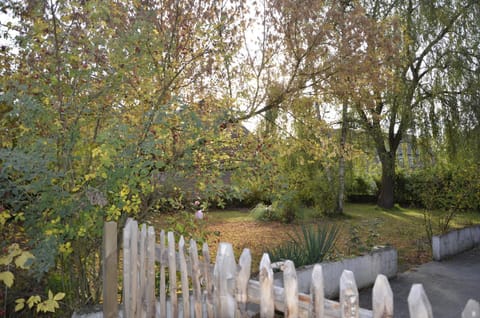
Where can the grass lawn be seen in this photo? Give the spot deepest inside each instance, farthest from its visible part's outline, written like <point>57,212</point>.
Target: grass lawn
<point>362,226</point>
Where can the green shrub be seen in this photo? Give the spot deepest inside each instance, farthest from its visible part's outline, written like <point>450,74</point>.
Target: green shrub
<point>443,187</point>
<point>323,193</point>
<point>262,212</point>
<point>280,210</point>
<point>361,185</point>
<point>361,189</point>
<point>287,207</point>
<point>309,246</point>
<point>253,196</point>
<point>407,188</point>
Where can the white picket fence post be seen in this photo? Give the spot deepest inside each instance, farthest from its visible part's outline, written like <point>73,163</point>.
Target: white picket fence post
<point>418,303</point>
<point>184,278</point>
<point>224,276</point>
<point>267,304</point>
<point>208,281</point>
<point>317,292</point>
<point>130,268</point>
<point>162,288</point>
<point>150,273</point>
<point>196,274</point>
<point>142,272</point>
<point>472,309</point>
<point>382,298</point>
<point>244,263</point>
<point>291,290</point>
<point>349,295</point>
<point>172,271</point>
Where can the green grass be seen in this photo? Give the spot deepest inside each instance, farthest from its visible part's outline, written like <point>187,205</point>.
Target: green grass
<point>407,215</point>
<point>403,228</point>
<point>230,216</point>
<point>395,220</point>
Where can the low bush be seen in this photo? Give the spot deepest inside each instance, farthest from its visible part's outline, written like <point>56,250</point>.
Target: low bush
<point>285,209</point>
<point>441,187</point>
<point>362,185</point>
<point>361,189</point>
<point>263,212</point>
<point>408,188</point>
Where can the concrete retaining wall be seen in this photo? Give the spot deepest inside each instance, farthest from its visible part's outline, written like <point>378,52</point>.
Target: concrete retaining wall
<point>455,242</point>
<point>365,268</point>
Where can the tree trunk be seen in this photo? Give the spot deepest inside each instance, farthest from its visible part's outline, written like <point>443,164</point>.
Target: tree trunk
<point>341,162</point>
<point>386,197</point>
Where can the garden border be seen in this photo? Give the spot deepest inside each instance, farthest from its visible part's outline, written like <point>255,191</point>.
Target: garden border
<point>381,260</point>
<point>455,242</point>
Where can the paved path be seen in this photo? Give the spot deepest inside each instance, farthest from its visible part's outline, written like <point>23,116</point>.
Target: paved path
<point>449,285</point>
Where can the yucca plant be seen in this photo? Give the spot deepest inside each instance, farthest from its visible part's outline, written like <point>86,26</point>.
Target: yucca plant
<point>310,246</point>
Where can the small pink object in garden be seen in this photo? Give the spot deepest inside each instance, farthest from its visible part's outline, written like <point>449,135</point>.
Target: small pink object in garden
<point>196,203</point>
<point>199,215</point>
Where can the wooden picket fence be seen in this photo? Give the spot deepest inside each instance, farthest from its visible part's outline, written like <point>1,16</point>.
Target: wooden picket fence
<point>225,289</point>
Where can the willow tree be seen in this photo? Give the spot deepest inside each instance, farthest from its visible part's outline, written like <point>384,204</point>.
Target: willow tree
<point>390,64</point>
<point>431,37</point>
<point>452,114</point>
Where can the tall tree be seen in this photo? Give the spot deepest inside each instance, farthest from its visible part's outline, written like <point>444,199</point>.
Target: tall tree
<point>102,97</point>
<point>431,34</point>
<point>389,57</point>
<point>337,52</point>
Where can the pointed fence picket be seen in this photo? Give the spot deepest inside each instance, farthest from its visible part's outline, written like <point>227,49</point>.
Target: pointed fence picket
<point>225,289</point>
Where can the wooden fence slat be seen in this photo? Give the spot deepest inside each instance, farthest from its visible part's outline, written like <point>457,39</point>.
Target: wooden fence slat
<point>291,290</point>
<point>110,270</point>
<point>134,265</point>
<point>197,289</point>
<point>472,309</point>
<point>227,294</point>
<point>126,270</point>
<point>418,303</point>
<point>348,295</point>
<point>184,278</point>
<point>172,271</point>
<point>150,274</point>
<point>130,255</point>
<point>177,259</point>
<point>207,274</point>
<point>267,304</point>
<point>163,255</point>
<point>382,298</point>
<point>332,308</point>
<point>224,276</point>
<point>245,264</point>
<point>142,278</point>
<point>163,290</point>
<point>317,292</point>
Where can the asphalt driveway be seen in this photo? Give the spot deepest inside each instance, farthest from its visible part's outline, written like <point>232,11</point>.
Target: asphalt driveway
<point>449,284</point>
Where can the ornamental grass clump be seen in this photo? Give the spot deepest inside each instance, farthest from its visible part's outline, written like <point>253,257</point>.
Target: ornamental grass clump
<point>310,246</point>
